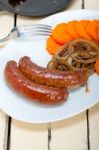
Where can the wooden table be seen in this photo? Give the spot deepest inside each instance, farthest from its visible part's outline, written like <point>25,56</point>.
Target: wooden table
<point>80,132</point>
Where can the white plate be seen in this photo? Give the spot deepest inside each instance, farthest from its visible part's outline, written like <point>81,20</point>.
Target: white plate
<point>27,111</point>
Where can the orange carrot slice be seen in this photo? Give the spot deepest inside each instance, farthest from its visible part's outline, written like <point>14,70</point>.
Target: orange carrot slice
<point>52,46</point>
<point>71,29</point>
<point>92,29</point>
<point>60,34</point>
<point>81,29</point>
<point>97,66</point>
<point>98,35</point>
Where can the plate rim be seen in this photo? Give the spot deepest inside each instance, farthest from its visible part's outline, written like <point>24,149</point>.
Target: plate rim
<point>62,118</point>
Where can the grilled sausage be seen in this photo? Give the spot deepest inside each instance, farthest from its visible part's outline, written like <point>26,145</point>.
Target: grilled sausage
<point>39,93</point>
<point>49,77</point>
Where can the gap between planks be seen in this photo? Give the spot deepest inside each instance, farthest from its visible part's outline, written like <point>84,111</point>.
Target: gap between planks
<point>7,140</point>
<point>8,118</point>
<point>87,111</point>
<point>87,114</point>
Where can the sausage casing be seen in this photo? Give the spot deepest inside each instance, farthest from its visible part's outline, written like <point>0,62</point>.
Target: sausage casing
<point>49,77</point>
<point>32,90</point>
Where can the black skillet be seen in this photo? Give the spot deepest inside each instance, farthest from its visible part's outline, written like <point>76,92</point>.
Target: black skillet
<point>33,7</point>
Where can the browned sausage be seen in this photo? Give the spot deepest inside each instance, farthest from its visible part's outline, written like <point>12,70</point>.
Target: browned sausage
<point>32,90</point>
<point>52,77</point>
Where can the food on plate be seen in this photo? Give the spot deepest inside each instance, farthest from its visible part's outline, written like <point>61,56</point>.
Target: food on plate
<point>49,77</point>
<point>71,29</point>
<point>52,45</point>
<point>97,66</point>
<point>81,29</point>
<point>66,32</point>
<point>39,93</point>
<point>93,29</point>
<point>76,55</point>
<point>60,34</point>
<point>75,49</point>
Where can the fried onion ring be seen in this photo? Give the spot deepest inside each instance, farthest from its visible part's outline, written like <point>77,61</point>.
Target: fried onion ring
<point>76,55</point>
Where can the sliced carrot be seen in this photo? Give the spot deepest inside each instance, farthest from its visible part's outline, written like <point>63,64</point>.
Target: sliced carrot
<point>92,29</point>
<point>66,37</point>
<point>71,29</point>
<point>52,46</point>
<point>60,34</point>
<point>81,29</point>
<point>98,35</point>
<point>65,32</point>
<point>97,66</point>
<point>97,30</point>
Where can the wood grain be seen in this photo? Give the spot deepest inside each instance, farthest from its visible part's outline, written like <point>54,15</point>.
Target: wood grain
<point>70,134</point>
<point>29,136</point>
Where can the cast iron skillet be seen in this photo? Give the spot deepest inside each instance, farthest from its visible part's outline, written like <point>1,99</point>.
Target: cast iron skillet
<point>34,7</point>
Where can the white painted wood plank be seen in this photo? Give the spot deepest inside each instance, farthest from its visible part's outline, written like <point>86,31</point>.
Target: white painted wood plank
<point>3,121</point>
<point>27,20</point>
<point>29,136</point>
<point>94,111</point>
<point>92,4</point>
<point>75,4</point>
<point>6,23</point>
<point>70,134</point>
<point>94,127</point>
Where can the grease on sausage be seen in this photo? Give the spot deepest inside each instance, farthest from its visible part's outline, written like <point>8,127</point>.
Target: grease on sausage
<point>49,77</point>
<point>32,90</point>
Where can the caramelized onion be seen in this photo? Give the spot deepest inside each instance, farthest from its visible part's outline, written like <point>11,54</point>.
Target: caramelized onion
<point>76,55</point>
